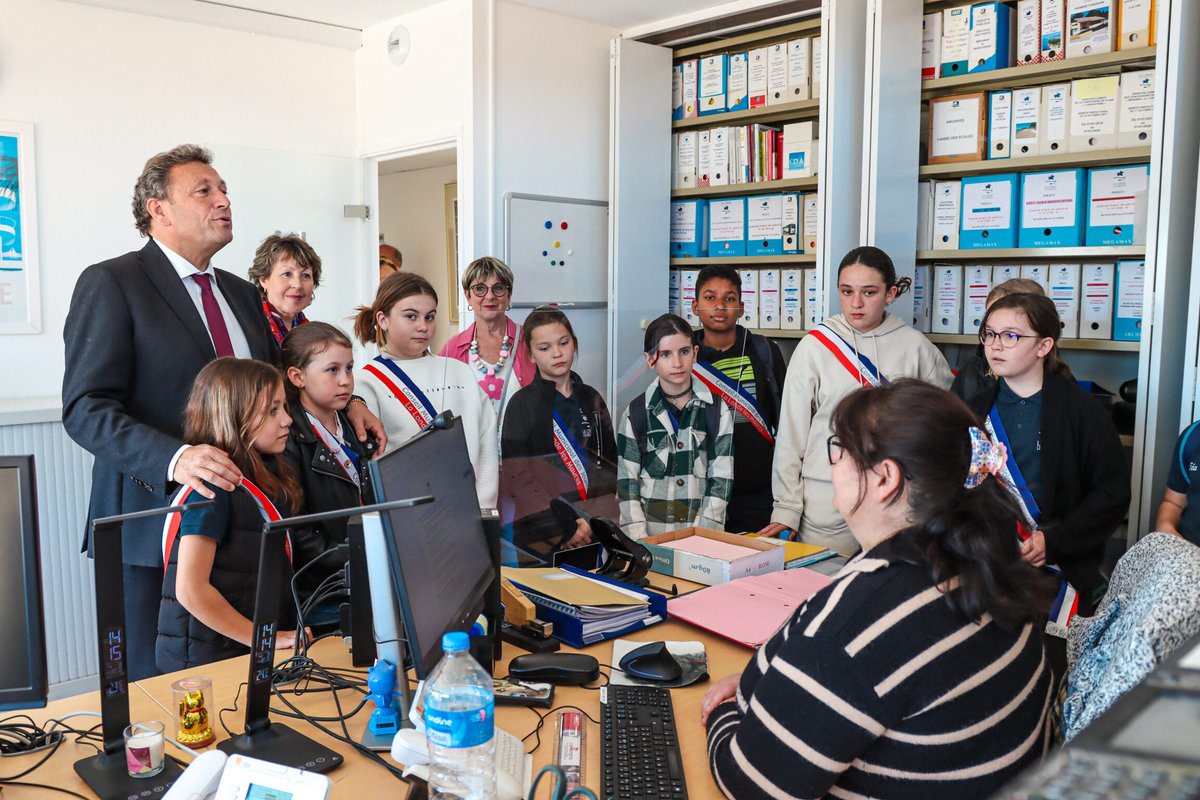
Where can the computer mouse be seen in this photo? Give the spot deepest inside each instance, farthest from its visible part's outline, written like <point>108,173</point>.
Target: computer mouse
<point>652,662</point>
<point>564,669</point>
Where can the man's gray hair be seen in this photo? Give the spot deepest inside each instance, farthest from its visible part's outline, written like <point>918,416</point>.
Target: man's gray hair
<point>152,183</point>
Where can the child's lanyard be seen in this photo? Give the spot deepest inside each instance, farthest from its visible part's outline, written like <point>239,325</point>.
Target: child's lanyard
<point>408,393</point>
<point>345,457</point>
<point>861,369</point>
<point>573,456</point>
<point>265,507</point>
<point>737,398</point>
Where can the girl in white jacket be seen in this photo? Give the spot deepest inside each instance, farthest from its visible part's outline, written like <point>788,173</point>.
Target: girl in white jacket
<point>862,346</point>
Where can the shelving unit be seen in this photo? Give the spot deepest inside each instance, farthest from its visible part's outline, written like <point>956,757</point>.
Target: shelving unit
<point>801,109</point>
<point>736,189</point>
<point>1035,254</point>
<point>1013,77</point>
<point>801,259</point>
<point>1066,344</point>
<point>1099,158</point>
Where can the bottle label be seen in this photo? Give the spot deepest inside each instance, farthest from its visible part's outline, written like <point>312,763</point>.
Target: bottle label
<point>460,728</point>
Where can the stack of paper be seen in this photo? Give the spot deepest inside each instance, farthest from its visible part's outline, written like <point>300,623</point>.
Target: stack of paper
<point>798,554</point>
<point>749,610</point>
<point>599,607</point>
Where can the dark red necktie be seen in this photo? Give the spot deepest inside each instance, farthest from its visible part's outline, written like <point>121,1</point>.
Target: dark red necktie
<point>212,312</point>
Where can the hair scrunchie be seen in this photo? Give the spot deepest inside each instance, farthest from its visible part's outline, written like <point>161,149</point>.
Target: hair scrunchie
<point>987,458</point>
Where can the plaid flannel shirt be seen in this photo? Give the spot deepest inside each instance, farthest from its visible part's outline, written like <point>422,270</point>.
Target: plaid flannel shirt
<point>678,485</point>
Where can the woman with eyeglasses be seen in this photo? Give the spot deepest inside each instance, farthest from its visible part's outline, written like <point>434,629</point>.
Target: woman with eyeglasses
<point>1065,457</point>
<point>490,345</point>
<point>920,672</point>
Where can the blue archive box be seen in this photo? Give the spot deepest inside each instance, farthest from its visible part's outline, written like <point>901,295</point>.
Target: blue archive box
<point>711,90</point>
<point>727,227</point>
<point>992,45</point>
<point>677,92</point>
<point>1130,278</point>
<point>988,211</point>
<point>1116,204</point>
<point>1052,208</point>
<point>689,228</point>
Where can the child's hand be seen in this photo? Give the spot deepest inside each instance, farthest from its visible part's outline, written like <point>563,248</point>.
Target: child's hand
<point>582,535</point>
<point>286,640</point>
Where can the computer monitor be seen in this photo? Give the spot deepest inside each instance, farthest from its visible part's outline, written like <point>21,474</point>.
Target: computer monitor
<point>23,681</point>
<point>439,556</point>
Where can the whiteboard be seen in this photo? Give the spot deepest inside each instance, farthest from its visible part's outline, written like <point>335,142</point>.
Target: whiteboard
<point>557,248</point>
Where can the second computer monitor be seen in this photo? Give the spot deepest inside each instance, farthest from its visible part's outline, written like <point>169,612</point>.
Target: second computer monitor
<point>23,657</point>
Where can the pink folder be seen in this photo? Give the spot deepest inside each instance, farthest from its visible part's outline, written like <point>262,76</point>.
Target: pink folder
<point>749,610</point>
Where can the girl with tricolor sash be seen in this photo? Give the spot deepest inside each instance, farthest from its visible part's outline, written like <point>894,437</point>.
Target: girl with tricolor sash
<point>211,555</point>
<point>863,346</point>
<point>1065,457</point>
<point>556,419</point>
<point>406,386</point>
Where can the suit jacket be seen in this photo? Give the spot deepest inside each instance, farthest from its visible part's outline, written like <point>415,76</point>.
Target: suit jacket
<point>134,345</point>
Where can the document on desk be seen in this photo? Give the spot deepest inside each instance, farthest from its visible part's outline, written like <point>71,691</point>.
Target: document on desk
<point>571,589</point>
<point>749,610</point>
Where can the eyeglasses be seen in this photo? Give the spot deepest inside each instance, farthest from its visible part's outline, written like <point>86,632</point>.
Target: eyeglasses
<point>1007,338</point>
<point>833,447</point>
<point>497,289</point>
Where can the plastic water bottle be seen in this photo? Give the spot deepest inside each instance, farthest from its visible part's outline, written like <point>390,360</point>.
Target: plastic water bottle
<point>460,725</point>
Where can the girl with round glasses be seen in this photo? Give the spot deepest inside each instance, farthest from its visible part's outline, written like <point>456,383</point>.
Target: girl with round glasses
<point>1065,457</point>
<point>491,345</point>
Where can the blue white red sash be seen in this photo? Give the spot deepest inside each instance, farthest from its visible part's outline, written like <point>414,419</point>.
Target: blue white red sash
<point>345,457</point>
<point>573,456</point>
<point>171,526</point>
<point>1066,603</point>
<point>857,364</point>
<point>408,393</point>
<point>737,398</point>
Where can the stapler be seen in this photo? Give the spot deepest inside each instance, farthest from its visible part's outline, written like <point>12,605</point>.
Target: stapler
<point>521,626</point>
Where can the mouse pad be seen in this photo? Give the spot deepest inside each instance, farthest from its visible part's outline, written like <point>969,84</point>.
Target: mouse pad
<point>692,658</point>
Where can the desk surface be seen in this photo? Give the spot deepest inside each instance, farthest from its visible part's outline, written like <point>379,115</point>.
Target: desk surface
<point>359,777</point>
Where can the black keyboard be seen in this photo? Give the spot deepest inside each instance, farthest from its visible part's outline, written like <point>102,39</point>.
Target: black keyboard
<point>639,749</point>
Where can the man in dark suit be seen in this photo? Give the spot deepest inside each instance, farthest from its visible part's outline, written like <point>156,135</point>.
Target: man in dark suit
<point>140,328</point>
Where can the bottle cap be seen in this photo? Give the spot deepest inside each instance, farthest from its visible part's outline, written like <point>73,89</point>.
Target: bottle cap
<point>455,641</point>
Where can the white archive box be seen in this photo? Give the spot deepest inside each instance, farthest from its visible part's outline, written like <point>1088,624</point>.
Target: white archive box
<point>1091,27</point>
<point>777,73</point>
<point>924,215</point>
<point>791,299</point>
<point>1029,40</point>
<point>749,297</point>
<point>791,222</point>
<point>768,298</point>
<point>812,306</point>
<point>1027,122</point>
<point>674,304</point>
<point>977,282</point>
<point>947,298</point>
<point>1005,272</point>
<point>1000,124</point>
<point>687,295</point>
<point>1093,122</point>
<point>931,45</point>
<point>947,219</point>
<point>1039,274</point>
<point>1056,118</point>
<point>1096,301</point>
<point>799,67</point>
<point>920,300</point>
<point>1064,291</point>
<point>1135,108</point>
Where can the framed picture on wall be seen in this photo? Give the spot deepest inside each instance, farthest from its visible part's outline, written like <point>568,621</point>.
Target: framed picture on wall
<point>20,300</point>
<point>452,250</point>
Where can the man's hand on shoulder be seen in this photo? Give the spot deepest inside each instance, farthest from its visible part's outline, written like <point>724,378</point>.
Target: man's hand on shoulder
<point>203,462</point>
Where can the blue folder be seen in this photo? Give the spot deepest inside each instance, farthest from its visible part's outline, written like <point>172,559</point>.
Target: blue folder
<point>1062,189</point>
<point>695,245</point>
<point>731,246</point>
<point>565,618</point>
<point>1003,44</point>
<point>995,189</point>
<point>770,242</point>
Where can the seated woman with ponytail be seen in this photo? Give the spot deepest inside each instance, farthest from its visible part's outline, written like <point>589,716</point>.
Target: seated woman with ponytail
<point>920,671</point>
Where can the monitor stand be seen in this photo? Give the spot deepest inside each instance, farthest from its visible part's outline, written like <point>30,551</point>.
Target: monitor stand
<point>264,739</point>
<point>106,773</point>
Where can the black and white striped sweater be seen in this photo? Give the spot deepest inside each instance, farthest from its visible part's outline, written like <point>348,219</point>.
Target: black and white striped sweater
<point>877,689</point>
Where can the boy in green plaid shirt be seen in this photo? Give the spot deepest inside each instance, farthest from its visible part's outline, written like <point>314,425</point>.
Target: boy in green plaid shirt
<point>675,443</point>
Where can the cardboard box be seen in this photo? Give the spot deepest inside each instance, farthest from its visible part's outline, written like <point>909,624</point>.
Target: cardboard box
<point>711,571</point>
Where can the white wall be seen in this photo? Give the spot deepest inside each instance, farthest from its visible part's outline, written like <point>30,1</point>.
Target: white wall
<point>107,89</point>
<point>412,218</point>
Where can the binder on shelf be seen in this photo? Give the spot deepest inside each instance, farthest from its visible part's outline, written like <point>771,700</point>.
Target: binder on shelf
<point>947,298</point>
<point>957,128</point>
<point>768,298</point>
<point>817,66</point>
<point>1005,272</point>
<point>1000,124</point>
<point>1094,113</point>
<point>704,158</point>
<point>921,318</point>
<point>764,225</point>
<point>947,214</point>
<point>1090,27</point>
<point>1029,28</point>
<point>749,278</point>
<point>799,150</point>
<point>991,44</point>
<point>1135,24</point>
<point>977,282</point>
<point>737,88</point>
<point>1127,314</point>
<point>791,222</point>
<point>1039,274</point>
<point>756,77</point>
<point>688,228</point>
<point>1056,117</point>
<point>931,46</point>
<point>677,92</point>
<point>727,227</point>
<point>1052,206</point>
<point>718,158</point>
<point>812,307</point>
<point>1117,205</point>
<point>1135,108</point>
<point>989,211</point>
<point>686,145</point>
<point>691,88</point>
<point>1064,292</point>
<point>777,73</point>
<point>811,204</point>
<point>799,66</point>
<point>924,215</point>
<point>1054,30</point>
<point>956,40</point>
<point>1096,304</point>
<point>1027,121</point>
<point>673,297</point>
<point>791,311</point>
<point>687,295</point>
<point>712,84</point>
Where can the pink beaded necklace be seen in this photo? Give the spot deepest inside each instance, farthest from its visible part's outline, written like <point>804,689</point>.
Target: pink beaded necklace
<point>491,375</point>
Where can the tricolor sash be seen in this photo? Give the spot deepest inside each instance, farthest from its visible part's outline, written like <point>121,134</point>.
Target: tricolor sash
<point>171,526</point>
<point>1066,603</point>
<point>855,362</point>
<point>737,398</point>
<point>345,457</point>
<point>573,456</point>
<point>408,393</point>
